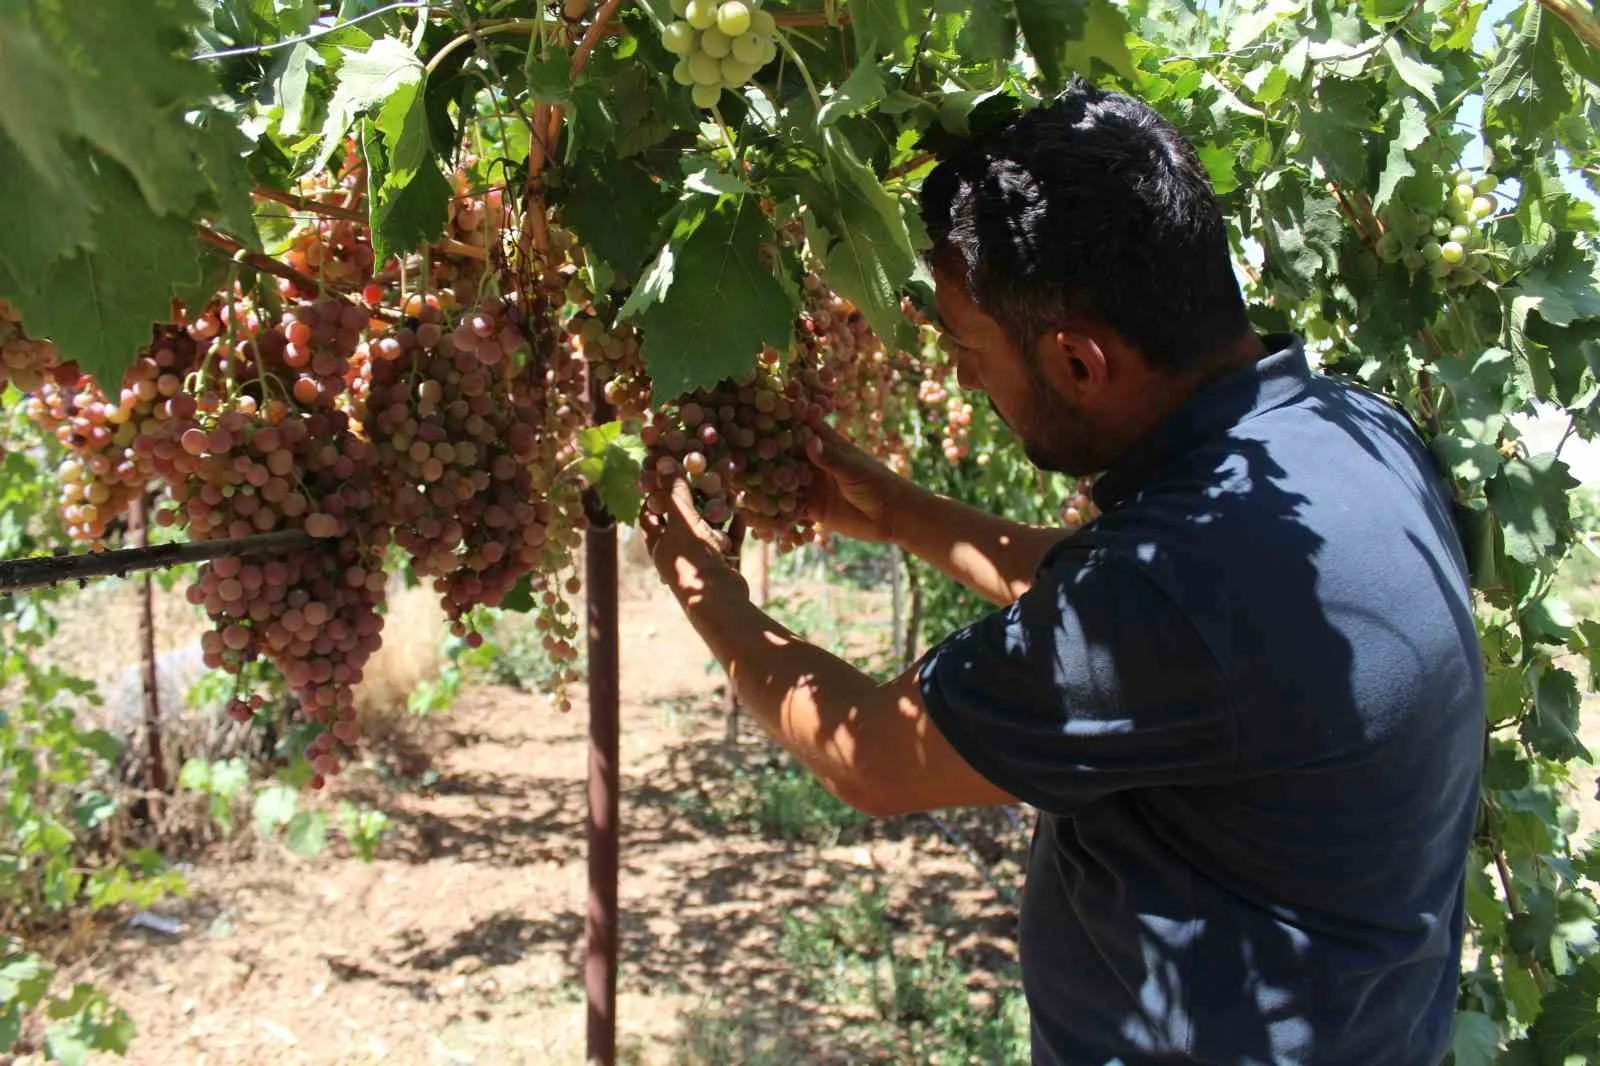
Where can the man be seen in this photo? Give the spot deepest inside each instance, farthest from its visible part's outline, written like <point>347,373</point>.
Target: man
<point>1246,701</point>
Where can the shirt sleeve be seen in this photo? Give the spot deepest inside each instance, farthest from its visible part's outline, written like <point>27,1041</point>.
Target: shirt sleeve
<point>1091,682</point>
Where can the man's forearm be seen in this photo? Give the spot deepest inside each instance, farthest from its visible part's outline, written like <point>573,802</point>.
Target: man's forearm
<point>994,557</point>
<point>815,704</point>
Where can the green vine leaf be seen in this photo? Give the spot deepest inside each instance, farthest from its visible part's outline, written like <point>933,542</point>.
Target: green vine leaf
<point>1475,1040</point>
<point>1069,37</point>
<point>1568,1027</point>
<point>1529,496</point>
<point>888,27</point>
<point>611,463</point>
<point>1552,728</point>
<point>686,345</point>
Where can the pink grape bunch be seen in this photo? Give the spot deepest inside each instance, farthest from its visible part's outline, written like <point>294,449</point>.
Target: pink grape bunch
<point>740,445</point>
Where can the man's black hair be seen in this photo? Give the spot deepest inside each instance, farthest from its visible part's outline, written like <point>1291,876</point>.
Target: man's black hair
<point>1090,205</point>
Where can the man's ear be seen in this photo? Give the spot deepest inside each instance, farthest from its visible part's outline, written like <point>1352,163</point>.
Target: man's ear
<point>1074,363</point>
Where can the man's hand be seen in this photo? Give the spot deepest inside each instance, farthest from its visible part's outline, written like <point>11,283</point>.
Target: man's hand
<point>689,553</point>
<point>852,494</point>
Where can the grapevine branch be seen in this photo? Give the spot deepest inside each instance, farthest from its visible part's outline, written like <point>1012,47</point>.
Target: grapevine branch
<point>255,260</point>
<point>308,205</point>
<point>1577,17</point>
<point>17,574</point>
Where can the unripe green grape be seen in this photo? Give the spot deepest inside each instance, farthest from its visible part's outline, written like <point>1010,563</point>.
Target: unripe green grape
<point>735,73</point>
<point>769,51</point>
<point>1389,247</point>
<point>1461,216</point>
<point>1483,207</point>
<point>1478,261</point>
<point>680,7</point>
<point>701,14</point>
<point>1412,259</point>
<point>1487,184</point>
<point>1461,177</point>
<point>762,24</point>
<point>1451,252</point>
<point>747,48</point>
<point>1461,234</point>
<point>714,42</point>
<point>704,69</point>
<point>1441,227</point>
<point>680,73</point>
<point>706,95</point>
<point>1431,251</point>
<point>1440,268</point>
<point>1463,194</point>
<point>678,38</point>
<point>733,17</point>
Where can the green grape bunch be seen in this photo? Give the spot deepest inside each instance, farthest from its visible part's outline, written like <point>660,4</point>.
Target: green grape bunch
<point>1450,242</point>
<point>719,45</point>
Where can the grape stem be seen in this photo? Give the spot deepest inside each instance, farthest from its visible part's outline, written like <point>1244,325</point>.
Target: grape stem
<point>806,19</point>
<point>28,573</point>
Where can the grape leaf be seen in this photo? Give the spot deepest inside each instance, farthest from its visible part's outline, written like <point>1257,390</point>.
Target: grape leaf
<point>404,215</point>
<point>990,33</point>
<point>1551,728</point>
<point>1502,694</point>
<point>1505,768</point>
<point>307,834</point>
<point>1563,287</point>
<point>1381,11</point>
<point>1335,129</point>
<point>615,208</point>
<point>657,278</point>
<point>548,70</point>
<point>888,27</point>
<point>1067,36</point>
<point>124,84</point>
<point>99,304</point>
<point>1526,89</point>
<point>1218,162</point>
<point>10,1024</point>
<point>863,88</point>
<point>1568,1026</point>
<point>292,82</point>
<point>702,176</point>
<point>1414,72</point>
<point>273,807</point>
<point>722,306</point>
<point>43,219</point>
<point>1529,496</point>
<point>867,252</point>
<point>520,599</point>
<point>1301,230</point>
<point>366,80</point>
<point>1410,133</point>
<point>223,149</point>
<point>1475,1040</point>
<point>611,463</point>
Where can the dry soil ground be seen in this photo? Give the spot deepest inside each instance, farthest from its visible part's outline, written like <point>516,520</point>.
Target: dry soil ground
<point>463,942</point>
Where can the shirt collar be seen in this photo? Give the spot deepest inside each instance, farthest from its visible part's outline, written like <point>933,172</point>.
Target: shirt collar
<point>1213,409</point>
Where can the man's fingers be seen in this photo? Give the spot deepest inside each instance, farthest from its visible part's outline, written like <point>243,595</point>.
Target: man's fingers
<point>682,509</point>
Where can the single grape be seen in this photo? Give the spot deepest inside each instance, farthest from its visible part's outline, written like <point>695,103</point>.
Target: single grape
<point>735,73</point>
<point>706,71</point>
<point>733,17</point>
<point>1452,252</point>
<point>715,43</point>
<point>747,48</point>
<point>1482,207</point>
<point>678,38</point>
<point>681,73</point>
<point>701,14</point>
<point>762,23</point>
<point>706,95</point>
<point>1441,227</point>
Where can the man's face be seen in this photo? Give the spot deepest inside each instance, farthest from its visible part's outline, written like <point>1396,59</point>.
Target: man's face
<point>1058,434</point>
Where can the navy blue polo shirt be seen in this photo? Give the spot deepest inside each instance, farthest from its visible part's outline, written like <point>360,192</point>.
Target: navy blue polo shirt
<point>1248,705</point>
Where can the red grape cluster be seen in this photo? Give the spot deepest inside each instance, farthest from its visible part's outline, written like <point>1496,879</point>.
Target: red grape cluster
<point>1080,509</point>
<point>956,413</point>
<point>25,361</point>
<point>471,427</point>
<point>741,447</point>
<point>870,386</point>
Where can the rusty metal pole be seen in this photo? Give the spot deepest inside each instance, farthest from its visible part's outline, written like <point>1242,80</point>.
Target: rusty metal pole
<point>600,964</point>
<point>155,772</point>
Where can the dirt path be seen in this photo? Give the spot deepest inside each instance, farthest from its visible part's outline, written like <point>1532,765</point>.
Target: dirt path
<point>462,943</point>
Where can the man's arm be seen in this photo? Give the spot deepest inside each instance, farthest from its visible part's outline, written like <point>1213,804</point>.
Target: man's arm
<point>872,744</point>
<point>861,498</point>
